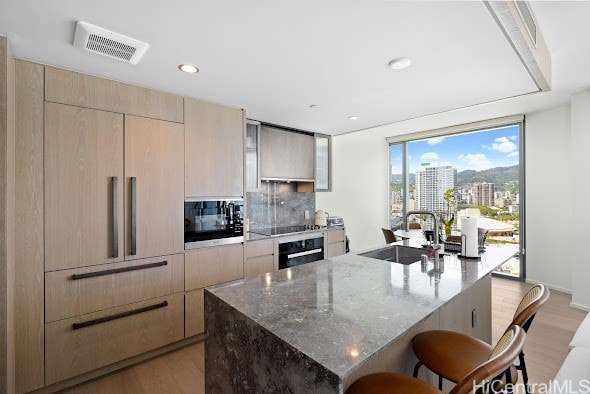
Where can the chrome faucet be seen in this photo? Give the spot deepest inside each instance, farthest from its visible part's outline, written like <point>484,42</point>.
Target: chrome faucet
<point>435,244</point>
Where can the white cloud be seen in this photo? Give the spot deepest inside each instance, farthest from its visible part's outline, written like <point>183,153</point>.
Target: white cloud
<point>395,170</point>
<point>513,138</point>
<point>502,145</point>
<point>476,161</point>
<point>512,154</point>
<point>429,156</point>
<point>435,140</point>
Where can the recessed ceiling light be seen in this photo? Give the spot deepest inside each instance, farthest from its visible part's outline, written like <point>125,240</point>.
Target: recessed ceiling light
<point>399,64</point>
<point>188,68</point>
<point>353,117</point>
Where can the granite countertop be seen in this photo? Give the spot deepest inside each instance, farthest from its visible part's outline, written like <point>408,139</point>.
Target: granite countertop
<point>253,236</point>
<point>340,311</point>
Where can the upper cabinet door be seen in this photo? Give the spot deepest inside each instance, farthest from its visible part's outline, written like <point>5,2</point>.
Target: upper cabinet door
<point>83,187</point>
<point>154,198</point>
<point>286,155</point>
<point>323,165</point>
<point>214,150</point>
<point>252,156</point>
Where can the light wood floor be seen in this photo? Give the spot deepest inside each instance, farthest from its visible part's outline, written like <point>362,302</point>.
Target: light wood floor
<point>183,371</point>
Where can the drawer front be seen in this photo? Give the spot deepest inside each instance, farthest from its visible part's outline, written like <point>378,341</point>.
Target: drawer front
<point>79,291</point>
<point>259,265</point>
<point>71,350</point>
<point>211,266</point>
<point>335,249</point>
<point>335,236</point>
<point>194,312</point>
<point>259,248</point>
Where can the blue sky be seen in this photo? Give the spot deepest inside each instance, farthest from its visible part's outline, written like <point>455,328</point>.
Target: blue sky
<point>468,151</point>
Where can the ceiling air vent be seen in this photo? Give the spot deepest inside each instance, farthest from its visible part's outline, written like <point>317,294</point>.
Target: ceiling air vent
<point>528,19</point>
<point>107,43</point>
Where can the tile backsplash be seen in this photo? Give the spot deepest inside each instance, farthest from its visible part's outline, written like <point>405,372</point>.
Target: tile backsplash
<point>279,204</point>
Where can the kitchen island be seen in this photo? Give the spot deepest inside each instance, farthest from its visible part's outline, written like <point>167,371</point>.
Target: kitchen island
<point>320,326</point>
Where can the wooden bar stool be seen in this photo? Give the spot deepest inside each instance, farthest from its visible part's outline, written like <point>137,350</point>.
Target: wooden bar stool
<point>489,372</point>
<point>438,349</point>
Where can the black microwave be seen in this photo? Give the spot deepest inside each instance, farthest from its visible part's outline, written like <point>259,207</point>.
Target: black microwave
<point>213,222</point>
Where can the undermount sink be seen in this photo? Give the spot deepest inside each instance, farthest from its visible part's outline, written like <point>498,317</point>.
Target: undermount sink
<point>397,254</point>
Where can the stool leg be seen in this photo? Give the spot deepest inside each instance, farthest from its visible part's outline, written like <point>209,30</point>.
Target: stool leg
<point>525,375</point>
<point>417,368</point>
<point>440,382</point>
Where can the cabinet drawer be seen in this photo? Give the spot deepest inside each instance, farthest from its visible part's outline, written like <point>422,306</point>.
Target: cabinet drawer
<point>78,345</point>
<point>335,236</point>
<point>194,312</point>
<point>259,265</point>
<point>335,249</point>
<point>259,248</point>
<point>210,266</point>
<point>84,290</point>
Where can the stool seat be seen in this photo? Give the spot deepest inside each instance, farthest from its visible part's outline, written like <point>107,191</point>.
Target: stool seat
<point>390,383</point>
<point>450,354</point>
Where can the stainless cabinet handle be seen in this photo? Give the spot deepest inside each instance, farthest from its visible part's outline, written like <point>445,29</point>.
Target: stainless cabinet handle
<point>115,201</point>
<point>133,216</point>
<point>88,323</point>
<point>308,252</point>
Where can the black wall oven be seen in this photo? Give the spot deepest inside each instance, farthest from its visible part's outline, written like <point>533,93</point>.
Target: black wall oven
<point>293,253</point>
<point>213,222</point>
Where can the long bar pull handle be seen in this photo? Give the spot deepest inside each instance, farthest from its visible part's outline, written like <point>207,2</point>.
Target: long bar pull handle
<point>115,201</point>
<point>77,326</point>
<point>118,270</point>
<point>133,216</point>
<point>306,253</point>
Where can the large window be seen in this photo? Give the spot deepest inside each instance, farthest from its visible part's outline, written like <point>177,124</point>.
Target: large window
<point>476,173</point>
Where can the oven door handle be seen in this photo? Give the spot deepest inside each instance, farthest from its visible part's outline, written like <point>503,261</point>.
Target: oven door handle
<point>307,252</point>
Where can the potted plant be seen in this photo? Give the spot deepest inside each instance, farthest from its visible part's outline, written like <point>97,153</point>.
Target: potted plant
<point>448,218</point>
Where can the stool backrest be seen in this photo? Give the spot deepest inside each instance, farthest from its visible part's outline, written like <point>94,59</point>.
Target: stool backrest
<point>503,355</point>
<point>529,305</point>
<point>389,235</point>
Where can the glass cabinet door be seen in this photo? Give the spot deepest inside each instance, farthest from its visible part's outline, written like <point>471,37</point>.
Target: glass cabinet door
<point>252,156</point>
<point>322,163</point>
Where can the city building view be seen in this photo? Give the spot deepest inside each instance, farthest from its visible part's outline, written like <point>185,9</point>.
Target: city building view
<point>467,175</point>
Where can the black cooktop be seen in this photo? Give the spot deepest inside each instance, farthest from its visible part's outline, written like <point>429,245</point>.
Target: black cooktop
<point>274,231</point>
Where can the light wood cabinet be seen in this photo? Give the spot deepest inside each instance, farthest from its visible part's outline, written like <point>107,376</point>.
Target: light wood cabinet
<point>81,90</point>
<point>194,312</point>
<point>470,312</point>
<point>154,161</point>
<point>286,155</point>
<point>259,257</point>
<point>74,292</point>
<point>29,246</point>
<point>81,344</point>
<point>83,150</point>
<point>335,241</point>
<point>211,266</point>
<point>214,150</point>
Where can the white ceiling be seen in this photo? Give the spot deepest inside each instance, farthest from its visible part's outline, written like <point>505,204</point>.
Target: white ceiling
<point>275,58</point>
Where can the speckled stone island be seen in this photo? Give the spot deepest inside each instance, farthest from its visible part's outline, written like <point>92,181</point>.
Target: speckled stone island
<point>316,328</point>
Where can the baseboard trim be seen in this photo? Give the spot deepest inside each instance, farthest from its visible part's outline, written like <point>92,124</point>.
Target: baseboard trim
<point>580,306</point>
<point>550,286</point>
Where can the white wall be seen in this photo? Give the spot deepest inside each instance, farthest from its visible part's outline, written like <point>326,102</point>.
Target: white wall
<point>580,194</point>
<point>548,204</point>
<point>360,162</point>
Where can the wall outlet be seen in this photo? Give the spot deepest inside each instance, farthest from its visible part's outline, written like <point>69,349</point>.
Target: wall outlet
<point>306,214</point>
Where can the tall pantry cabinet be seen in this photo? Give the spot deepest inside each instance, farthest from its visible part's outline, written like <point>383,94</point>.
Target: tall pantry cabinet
<point>100,255</point>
